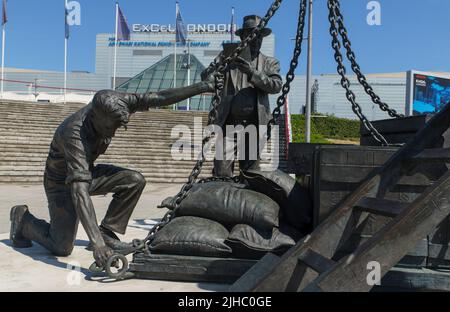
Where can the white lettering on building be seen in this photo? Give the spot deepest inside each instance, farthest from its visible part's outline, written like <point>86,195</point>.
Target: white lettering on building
<point>190,28</point>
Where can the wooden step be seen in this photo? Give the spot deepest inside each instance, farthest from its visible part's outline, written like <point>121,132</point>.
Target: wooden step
<point>433,155</point>
<point>316,261</point>
<point>380,206</point>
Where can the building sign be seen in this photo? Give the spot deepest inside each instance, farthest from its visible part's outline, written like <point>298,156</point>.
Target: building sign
<point>192,28</point>
<point>427,93</point>
<point>156,44</point>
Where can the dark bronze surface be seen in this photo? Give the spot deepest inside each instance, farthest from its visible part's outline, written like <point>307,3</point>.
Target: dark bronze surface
<point>71,177</point>
<point>247,85</point>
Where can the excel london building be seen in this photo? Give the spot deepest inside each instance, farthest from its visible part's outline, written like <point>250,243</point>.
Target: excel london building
<point>150,44</point>
<point>146,63</point>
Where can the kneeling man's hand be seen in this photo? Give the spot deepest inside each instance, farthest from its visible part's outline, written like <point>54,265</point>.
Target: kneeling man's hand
<point>101,255</point>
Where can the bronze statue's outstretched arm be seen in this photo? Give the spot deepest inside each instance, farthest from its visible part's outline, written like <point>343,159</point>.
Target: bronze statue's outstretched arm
<point>171,96</point>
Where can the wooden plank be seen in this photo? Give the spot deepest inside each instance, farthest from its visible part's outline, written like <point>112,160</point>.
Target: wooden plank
<point>186,268</point>
<point>397,238</point>
<point>395,138</point>
<point>379,206</point>
<point>393,242</point>
<point>348,174</point>
<point>316,261</point>
<point>411,124</point>
<point>355,155</point>
<point>439,253</point>
<point>433,155</point>
<point>253,275</point>
<point>415,258</point>
<point>400,279</point>
<point>441,236</point>
<point>301,157</point>
<point>325,240</point>
<point>417,179</point>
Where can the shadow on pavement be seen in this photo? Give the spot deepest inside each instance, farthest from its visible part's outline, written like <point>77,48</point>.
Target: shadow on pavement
<point>38,253</point>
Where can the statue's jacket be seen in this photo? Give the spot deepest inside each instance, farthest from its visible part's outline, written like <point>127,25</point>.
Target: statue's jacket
<point>266,80</point>
<point>76,146</point>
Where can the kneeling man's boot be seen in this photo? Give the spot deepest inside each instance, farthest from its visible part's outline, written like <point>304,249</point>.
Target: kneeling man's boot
<point>15,235</point>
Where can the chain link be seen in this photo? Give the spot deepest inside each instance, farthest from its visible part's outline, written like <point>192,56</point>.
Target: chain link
<point>219,68</point>
<point>336,45</point>
<point>355,66</point>
<point>293,66</point>
<point>237,179</point>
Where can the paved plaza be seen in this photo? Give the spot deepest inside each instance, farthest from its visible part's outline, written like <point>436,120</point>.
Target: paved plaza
<point>34,269</point>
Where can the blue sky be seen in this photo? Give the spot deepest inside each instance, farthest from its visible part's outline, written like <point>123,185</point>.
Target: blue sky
<point>414,34</point>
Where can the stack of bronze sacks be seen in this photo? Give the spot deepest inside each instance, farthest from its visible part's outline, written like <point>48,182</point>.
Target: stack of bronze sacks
<point>266,212</point>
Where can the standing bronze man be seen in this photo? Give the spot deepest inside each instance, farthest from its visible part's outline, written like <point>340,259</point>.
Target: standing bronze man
<point>71,178</point>
<point>248,84</point>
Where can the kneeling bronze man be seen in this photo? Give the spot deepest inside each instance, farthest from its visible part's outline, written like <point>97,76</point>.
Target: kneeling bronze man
<point>71,178</point>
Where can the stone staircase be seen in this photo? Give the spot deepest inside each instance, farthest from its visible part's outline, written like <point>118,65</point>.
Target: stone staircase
<point>26,130</point>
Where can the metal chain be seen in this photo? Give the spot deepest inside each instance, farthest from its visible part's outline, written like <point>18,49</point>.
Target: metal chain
<point>342,72</point>
<point>219,68</point>
<point>237,179</point>
<point>293,66</point>
<point>355,66</point>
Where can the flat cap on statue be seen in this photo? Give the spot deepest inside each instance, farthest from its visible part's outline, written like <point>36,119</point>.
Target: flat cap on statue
<point>250,23</point>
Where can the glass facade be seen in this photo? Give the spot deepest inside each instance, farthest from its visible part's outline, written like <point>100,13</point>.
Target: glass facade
<point>146,49</point>
<point>161,76</point>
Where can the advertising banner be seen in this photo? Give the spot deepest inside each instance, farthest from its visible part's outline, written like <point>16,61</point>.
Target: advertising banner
<point>427,92</point>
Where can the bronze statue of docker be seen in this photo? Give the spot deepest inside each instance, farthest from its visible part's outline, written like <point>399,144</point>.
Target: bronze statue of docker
<point>71,177</point>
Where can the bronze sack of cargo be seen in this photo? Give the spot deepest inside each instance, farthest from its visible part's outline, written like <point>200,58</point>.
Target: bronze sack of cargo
<point>229,204</point>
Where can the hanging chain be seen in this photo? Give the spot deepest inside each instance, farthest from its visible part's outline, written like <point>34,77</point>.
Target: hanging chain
<point>342,72</point>
<point>219,67</point>
<point>293,66</point>
<point>355,66</point>
<point>236,179</point>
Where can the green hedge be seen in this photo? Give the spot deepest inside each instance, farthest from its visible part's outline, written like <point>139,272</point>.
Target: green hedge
<point>323,128</point>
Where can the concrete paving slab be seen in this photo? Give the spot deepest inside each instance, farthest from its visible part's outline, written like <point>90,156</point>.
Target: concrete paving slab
<point>36,270</point>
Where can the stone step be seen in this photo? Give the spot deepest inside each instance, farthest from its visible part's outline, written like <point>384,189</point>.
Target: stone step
<point>45,124</point>
<point>24,160</point>
<point>117,156</point>
<point>148,119</point>
<point>181,175</point>
<point>116,141</point>
<point>140,116</point>
<point>41,166</point>
<point>113,153</point>
<point>26,130</point>
<point>131,131</point>
<point>117,153</point>
<point>14,155</point>
<point>59,105</point>
<point>58,111</point>
<point>127,142</point>
<point>116,144</point>
<point>153,135</point>
<point>20,166</point>
<point>159,135</point>
<point>39,180</point>
<point>149,169</point>
<point>61,115</point>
